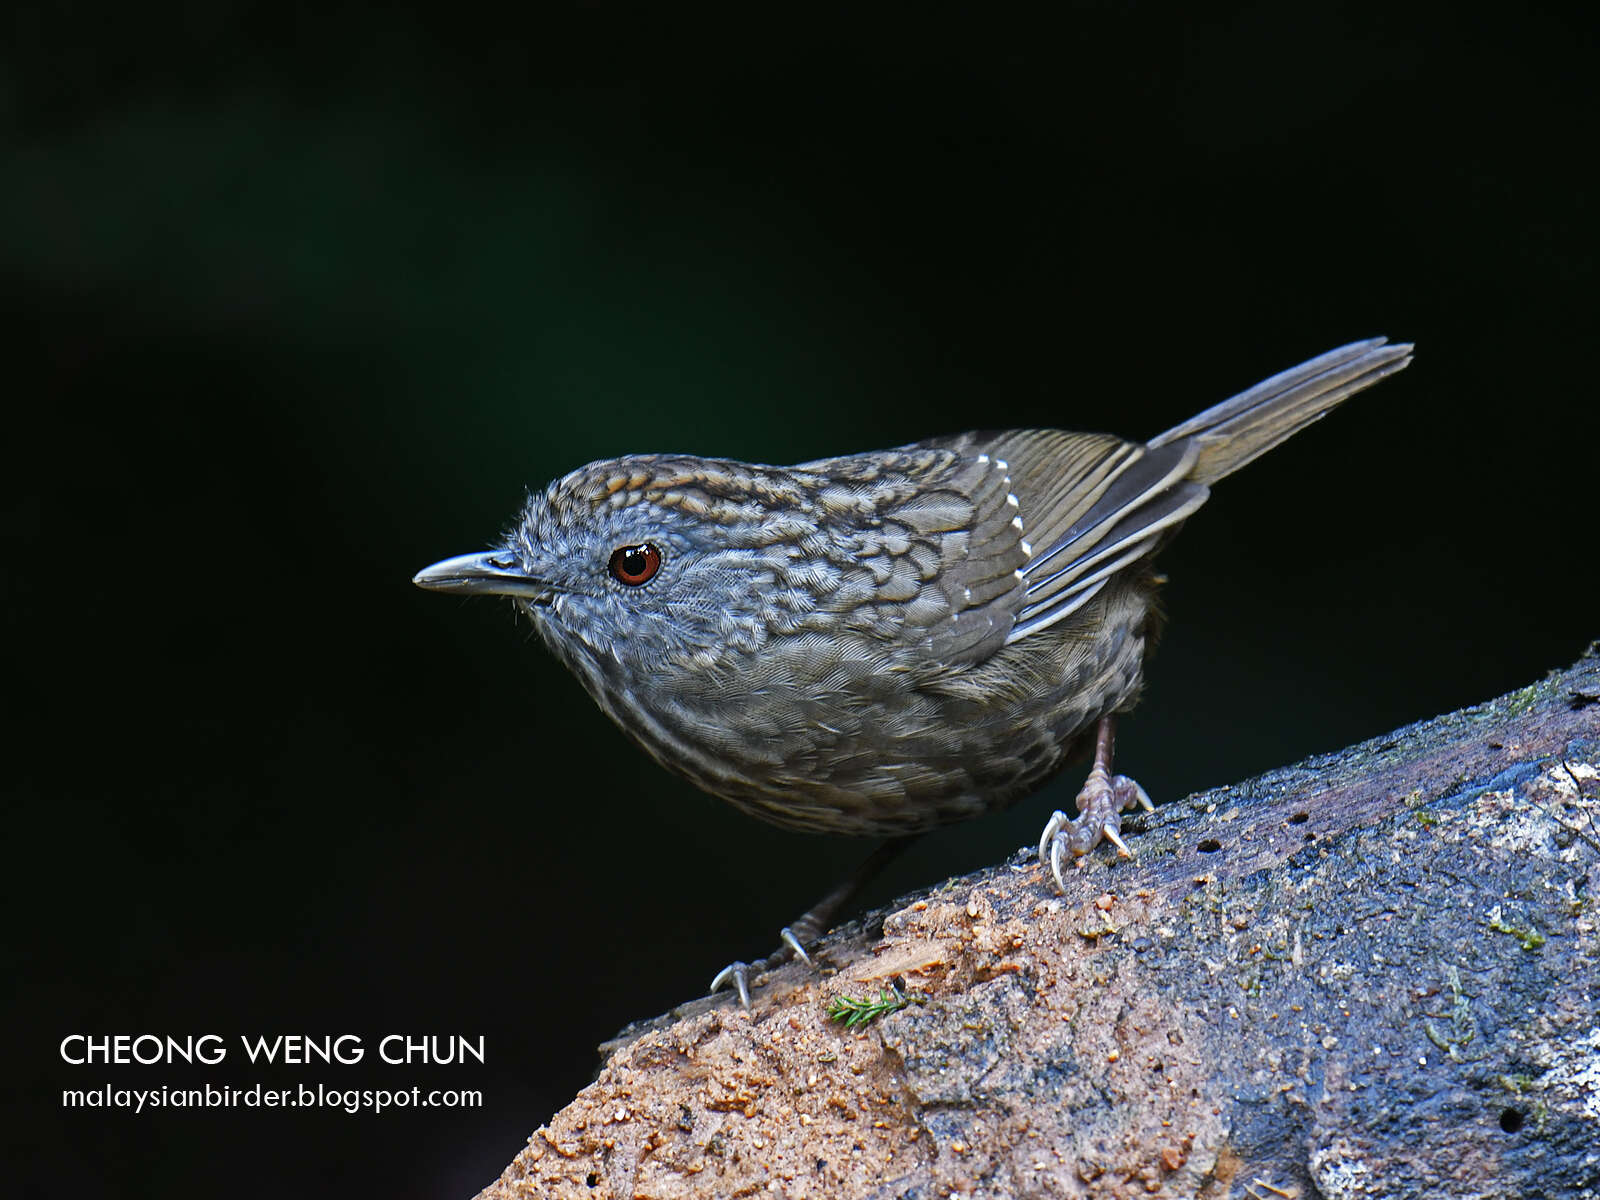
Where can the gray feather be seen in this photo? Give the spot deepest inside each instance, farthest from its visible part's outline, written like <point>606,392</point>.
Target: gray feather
<point>1242,429</point>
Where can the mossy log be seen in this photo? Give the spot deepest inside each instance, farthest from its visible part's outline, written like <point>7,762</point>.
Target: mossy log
<point>1374,973</point>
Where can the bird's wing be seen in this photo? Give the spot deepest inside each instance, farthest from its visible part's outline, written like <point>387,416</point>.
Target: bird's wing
<point>973,542</point>
<point>1091,504</point>
<point>960,545</point>
<point>924,546</point>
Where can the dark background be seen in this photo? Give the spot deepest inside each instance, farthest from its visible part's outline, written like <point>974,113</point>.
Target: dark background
<point>304,299</point>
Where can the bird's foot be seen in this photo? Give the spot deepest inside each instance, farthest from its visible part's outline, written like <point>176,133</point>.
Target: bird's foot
<point>737,975</point>
<point>1100,805</point>
<point>809,926</point>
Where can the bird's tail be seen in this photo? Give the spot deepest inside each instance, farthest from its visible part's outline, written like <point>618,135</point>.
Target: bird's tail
<point>1240,430</point>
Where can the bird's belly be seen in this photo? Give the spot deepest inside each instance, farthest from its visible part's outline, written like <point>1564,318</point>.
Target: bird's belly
<point>843,743</point>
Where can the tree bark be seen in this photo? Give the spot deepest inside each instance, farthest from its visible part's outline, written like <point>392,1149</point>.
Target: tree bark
<point>1374,973</point>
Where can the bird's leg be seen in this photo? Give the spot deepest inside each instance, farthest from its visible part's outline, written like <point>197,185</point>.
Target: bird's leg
<point>1103,798</point>
<point>811,924</point>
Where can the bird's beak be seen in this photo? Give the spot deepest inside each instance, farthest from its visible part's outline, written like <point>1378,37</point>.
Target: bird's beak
<point>494,573</point>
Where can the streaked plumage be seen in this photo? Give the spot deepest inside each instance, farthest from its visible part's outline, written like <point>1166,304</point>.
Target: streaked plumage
<point>882,642</point>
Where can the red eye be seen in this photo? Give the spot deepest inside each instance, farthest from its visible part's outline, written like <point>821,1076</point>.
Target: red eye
<point>635,565</point>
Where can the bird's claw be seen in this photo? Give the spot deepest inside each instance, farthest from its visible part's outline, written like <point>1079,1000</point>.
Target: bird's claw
<point>738,974</point>
<point>787,937</point>
<point>1100,805</point>
<point>1130,793</point>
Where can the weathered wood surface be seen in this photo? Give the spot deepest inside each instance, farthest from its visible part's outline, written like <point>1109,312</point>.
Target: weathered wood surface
<point>1374,973</point>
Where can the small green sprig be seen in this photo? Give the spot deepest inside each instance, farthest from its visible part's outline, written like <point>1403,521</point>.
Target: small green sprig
<point>860,1012</point>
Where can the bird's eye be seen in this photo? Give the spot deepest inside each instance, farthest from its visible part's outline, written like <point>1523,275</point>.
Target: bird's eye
<point>635,565</point>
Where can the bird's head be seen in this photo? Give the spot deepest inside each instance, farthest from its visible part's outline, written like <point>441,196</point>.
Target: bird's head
<point>649,563</point>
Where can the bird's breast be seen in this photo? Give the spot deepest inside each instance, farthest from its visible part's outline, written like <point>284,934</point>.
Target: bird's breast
<point>843,734</point>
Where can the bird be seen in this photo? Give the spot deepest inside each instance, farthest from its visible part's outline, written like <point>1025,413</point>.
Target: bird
<point>881,643</point>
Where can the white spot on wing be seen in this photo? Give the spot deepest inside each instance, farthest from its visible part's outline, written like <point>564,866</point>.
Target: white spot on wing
<point>1017,521</point>
<point>1026,548</point>
<point>1011,499</point>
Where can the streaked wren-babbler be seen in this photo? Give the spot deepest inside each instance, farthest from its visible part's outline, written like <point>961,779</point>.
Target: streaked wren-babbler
<point>884,642</point>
